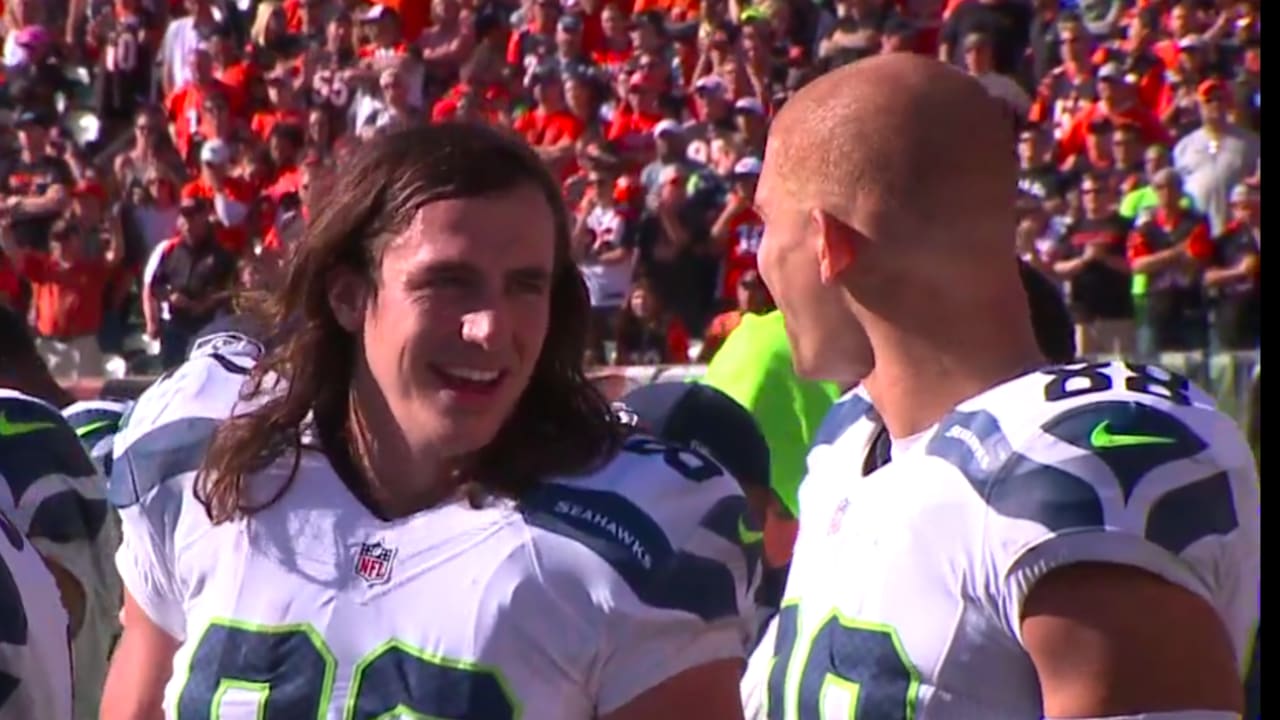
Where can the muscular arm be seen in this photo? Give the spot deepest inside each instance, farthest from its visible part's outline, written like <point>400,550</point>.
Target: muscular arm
<point>139,669</point>
<point>1114,640</point>
<point>706,692</point>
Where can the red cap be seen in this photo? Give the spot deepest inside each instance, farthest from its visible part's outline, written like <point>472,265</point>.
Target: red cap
<point>1211,88</point>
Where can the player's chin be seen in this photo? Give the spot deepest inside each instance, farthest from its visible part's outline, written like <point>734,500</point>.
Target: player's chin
<point>469,419</point>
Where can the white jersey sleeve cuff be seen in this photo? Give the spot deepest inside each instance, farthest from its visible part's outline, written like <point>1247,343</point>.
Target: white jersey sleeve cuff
<point>1087,546</point>
<point>151,588</point>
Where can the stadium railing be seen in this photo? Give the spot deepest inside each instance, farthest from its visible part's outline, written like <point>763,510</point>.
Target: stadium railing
<point>1228,376</point>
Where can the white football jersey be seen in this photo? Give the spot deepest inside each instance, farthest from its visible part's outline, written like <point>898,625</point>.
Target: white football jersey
<point>848,430</point>
<point>35,655</point>
<point>938,550</point>
<point>567,604</point>
<point>56,496</point>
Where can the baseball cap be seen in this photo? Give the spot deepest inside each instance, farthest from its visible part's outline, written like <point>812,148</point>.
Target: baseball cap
<point>711,85</point>
<point>192,203</point>
<point>377,12</point>
<point>1243,192</point>
<point>747,166</point>
<point>1111,71</point>
<point>1210,88</point>
<point>749,105</point>
<point>570,23</point>
<point>544,74</point>
<point>32,37</point>
<point>1190,42</point>
<point>704,419</point>
<point>666,126</point>
<point>215,152</point>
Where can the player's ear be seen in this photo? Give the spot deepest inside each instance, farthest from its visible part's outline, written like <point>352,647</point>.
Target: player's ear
<point>835,245</point>
<point>347,293</point>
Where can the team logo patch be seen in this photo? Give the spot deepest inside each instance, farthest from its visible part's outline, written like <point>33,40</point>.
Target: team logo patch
<point>373,562</point>
<point>625,415</point>
<point>229,343</point>
<point>837,517</point>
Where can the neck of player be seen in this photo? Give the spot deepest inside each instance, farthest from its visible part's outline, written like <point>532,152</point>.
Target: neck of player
<point>927,364</point>
<point>397,477</point>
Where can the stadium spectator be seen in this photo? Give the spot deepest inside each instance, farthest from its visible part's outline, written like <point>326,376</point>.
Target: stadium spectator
<point>192,280</point>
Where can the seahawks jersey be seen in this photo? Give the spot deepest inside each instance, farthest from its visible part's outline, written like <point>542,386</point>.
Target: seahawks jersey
<point>849,430</point>
<point>35,660</point>
<point>96,423</point>
<point>566,604</point>
<point>55,495</point>
<point>1109,462</point>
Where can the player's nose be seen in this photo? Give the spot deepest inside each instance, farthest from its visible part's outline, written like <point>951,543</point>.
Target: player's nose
<point>482,327</point>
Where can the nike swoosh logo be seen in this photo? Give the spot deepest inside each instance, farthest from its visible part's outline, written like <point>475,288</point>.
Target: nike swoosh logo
<point>1102,437</point>
<point>10,429</point>
<point>91,427</point>
<point>746,535</point>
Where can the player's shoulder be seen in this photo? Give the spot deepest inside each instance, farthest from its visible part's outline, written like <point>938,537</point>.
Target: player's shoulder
<point>37,441</point>
<point>839,447</point>
<point>96,423</point>
<point>93,420</point>
<point>667,519</point>
<point>1093,407</point>
<point>1102,445</point>
<point>850,413</point>
<point>16,401</point>
<point>173,422</point>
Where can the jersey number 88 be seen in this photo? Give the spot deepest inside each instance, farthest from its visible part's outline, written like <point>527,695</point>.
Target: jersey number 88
<point>292,671</point>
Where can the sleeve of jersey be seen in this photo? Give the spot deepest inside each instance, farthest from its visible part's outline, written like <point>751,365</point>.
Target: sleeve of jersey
<point>677,566</point>
<point>156,455</point>
<point>1132,484</point>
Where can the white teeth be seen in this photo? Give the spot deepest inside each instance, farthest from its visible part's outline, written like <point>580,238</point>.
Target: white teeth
<point>471,374</point>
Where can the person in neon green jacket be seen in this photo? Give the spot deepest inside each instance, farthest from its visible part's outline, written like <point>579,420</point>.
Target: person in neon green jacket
<point>754,368</point>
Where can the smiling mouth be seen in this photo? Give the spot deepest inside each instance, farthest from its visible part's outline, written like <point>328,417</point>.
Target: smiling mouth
<point>467,379</point>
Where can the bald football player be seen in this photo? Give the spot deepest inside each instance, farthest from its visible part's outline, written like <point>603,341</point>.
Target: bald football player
<point>1061,541</point>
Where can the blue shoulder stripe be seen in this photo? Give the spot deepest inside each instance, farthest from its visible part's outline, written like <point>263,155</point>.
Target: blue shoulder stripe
<point>841,417</point>
<point>160,454</point>
<point>634,545</point>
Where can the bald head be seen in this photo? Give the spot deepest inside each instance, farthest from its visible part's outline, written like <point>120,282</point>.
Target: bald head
<point>899,147</point>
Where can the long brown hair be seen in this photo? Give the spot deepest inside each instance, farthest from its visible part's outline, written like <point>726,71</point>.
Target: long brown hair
<point>560,426</point>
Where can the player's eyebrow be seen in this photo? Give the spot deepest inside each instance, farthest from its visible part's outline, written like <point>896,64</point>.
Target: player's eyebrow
<point>531,275</point>
<point>441,268</point>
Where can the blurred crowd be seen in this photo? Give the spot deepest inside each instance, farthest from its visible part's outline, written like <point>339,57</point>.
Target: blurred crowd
<point>157,156</point>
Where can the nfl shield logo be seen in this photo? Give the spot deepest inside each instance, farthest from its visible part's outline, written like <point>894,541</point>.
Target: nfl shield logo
<point>837,517</point>
<point>373,562</point>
